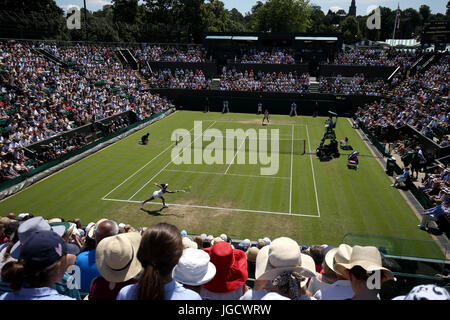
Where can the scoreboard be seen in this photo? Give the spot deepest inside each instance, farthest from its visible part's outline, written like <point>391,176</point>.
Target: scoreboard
<point>436,32</point>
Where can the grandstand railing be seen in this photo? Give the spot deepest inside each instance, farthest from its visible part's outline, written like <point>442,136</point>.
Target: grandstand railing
<point>413,261</point>
<point>380,147</point>
<point>418,194</point>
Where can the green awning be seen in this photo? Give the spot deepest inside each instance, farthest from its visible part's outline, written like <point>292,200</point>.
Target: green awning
<point>245,38</point>
<point>218,37</point>
<point>317,38</point>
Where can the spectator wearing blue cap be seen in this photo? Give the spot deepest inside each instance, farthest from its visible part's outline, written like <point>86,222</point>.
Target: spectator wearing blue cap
<point>22,234</point>
<point>42,263</point>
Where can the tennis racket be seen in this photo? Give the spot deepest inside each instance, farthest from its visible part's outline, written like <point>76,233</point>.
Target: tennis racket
<point>186,190</point>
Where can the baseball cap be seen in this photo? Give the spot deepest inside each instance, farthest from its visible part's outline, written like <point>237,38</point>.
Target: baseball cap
<point>28,228</point>
<point>42,249</point>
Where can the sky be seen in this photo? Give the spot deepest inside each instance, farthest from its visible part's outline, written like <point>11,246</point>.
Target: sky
<point>245,5</point>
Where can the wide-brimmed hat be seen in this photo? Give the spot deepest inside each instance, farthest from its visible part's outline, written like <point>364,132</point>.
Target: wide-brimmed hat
<point>251,254</point>
<point>28,228</point>
<point>68,227</point>
<point>368,258</point>
<point>216,240</point>
<point>188,243</point>
<point>116,257</point>
<point>231,265</point>
<point>194,268</point>
<point>308,263</point>
<point>283,254</point>
<point>340,254</point>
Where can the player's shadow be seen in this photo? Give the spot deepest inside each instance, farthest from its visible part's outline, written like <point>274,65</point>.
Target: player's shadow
<point>157,213</point>
<point>153,212</point>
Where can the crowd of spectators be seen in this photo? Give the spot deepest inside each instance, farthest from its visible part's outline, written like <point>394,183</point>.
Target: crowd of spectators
<point>169,54</point>
<point>160,262</point>
<point>436,185</point>
<point>373,57</point>
<point>421,102</point>
<point>357,85</point>
<point>40,98</point>
<point>59,147</point>
<point>178,79</point>
<point>273,56</point>
<point>266,82</point>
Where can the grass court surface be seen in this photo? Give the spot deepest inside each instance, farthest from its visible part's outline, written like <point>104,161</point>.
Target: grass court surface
<point>310,201</point>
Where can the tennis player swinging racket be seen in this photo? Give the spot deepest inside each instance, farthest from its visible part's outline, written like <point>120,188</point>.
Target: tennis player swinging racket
<point>159,193</point>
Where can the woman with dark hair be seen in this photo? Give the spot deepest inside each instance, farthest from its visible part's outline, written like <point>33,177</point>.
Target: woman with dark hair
<point>42,263</point>
<point>160,249</point>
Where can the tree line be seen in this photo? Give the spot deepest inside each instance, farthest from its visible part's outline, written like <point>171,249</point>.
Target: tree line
<point>185,21</point>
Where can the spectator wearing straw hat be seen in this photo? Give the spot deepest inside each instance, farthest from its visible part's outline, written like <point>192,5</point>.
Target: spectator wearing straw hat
<point>251,255</point>
<point>194,269</point>
<point>116,258</point>
<point>42,263</point>
<point>231,275</point>
<point>282,272</point>
<point>188,243</point>
<point>160,250</point>
<point>340,289</point>
<point>364,260</point>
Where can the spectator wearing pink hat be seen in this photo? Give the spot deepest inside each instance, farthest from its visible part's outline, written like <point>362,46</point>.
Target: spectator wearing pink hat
<point>231,275</point>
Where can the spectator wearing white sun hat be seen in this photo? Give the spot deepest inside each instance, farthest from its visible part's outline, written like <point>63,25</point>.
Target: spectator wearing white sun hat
<point>194,269</point>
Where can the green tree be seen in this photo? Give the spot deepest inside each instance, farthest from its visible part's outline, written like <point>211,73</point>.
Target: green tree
<point>410,24</point>
<point>31,19</point>
<point>283,16</point>
<point>190,18</point>
<point>100,27</point>
<point>350,28</point>
<point>425,12</point>
<point>319,21</point>
<point>239,24</point>
<point>215,18</point>
<point>125,10</point>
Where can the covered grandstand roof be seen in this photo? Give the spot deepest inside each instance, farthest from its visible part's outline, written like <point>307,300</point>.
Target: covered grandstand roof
<point>403,43</point>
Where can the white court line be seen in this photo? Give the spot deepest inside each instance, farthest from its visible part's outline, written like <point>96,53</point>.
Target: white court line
<point>312,168</point>
<point>274,124</point>
<point>157,156</point>
<point>217,208</point>
<point>231,162</point>
<point>290,186</point>
<point>168,163</point>
<point>228,174</point>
